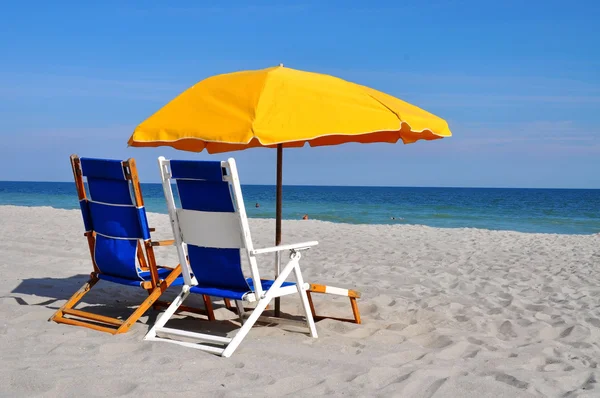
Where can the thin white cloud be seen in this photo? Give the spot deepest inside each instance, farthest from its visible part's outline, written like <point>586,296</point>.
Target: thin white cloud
<point>463,90</point>
<point>536,138</point>
<point>423,89</point>
<point>227,8</point>
<point>508,83</point>
<point>486,100</point>
<point>53,86</point>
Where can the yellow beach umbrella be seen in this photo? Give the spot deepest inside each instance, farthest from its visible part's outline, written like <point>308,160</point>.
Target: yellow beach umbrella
<point>282,107</point>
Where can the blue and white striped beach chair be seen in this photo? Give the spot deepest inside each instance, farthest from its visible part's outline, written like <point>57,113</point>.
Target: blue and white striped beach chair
<point>119,240</point>
<point>212,225</point>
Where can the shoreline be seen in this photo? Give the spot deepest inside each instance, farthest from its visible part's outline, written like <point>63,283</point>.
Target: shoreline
<point>401,225</point>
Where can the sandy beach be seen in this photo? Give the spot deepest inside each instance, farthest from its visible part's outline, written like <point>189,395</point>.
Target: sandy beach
<point>446,312</point>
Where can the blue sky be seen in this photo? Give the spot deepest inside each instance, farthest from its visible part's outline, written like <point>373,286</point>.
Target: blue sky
<point>518,82</point>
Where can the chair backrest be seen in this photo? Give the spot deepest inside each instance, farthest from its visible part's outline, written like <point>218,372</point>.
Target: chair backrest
<point>212,222</point>
<point>113,214</point>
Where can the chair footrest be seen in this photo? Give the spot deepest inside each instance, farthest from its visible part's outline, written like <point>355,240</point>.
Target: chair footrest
<point>317,288</point>
<point>351,294</point>
<point>92,317</point>
<point>198,346</point>
<point>193,335</point>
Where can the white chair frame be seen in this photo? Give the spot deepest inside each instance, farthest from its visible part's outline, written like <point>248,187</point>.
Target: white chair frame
<point>191,225</point>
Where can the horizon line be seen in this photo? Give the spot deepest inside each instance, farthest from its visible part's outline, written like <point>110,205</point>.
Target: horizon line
<point>346,186</point>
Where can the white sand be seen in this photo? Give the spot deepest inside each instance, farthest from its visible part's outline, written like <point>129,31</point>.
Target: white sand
<point>447,312</point>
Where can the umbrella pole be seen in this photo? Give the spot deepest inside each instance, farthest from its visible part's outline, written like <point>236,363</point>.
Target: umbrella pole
<point>278,219</point>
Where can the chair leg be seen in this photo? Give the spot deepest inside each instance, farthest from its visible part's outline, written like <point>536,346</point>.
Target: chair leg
<point>156,306</point>
<point>232,309</point>
<point>305,303</point>
<point>121,326</point>
<point>310,302</point>
<point>355,311</point>
<point>96,320</point>
<point>235,342</point>
<point>240,310</point>
<point>152,298</point>
<point>164,318</point>
<point>75,298</point>
<point>260,307</point>
<point>209,308</point>
<point>141,310</point>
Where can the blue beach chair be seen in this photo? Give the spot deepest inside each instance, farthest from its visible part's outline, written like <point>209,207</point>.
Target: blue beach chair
<point>119,241</point>
<point>213,226</point>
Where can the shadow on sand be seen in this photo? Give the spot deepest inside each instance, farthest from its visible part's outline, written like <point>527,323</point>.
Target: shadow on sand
<point>105,298</point>
<point>114,300</point>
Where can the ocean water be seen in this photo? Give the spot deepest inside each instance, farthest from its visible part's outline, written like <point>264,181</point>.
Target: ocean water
<point>564,211</point>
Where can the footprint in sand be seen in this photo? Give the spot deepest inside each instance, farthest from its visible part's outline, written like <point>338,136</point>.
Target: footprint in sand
<point>397,326</point>
<point>506,331</point>
<point>160,360</point>
<point>454,351</point>
<point>471,354</point>
<point>36,383</point>
<point>434,341</point>
<point>115,389</point>
<point>589,383</point>
<point>575,333</point>
<point>369,309</point>
<point>359,347</point>
<point>511,380</point>
<point>552,365</point>
<point>557,320</point>
<point>593,321</point>
<point>524,322</point>
<point>536,307</point>
<point>473,340</point>
<point>112,349</point>
<point>417,329</point>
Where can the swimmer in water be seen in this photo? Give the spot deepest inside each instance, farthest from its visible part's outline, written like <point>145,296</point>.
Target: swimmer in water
<point>305,217</point>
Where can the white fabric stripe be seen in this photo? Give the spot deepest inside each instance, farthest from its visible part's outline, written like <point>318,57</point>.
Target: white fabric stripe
<point>336,290</point>
<point>136,265</point>
<point>190,179</point>
<point>111,204</point>
<point>210,229</point>
<point>114,237</point>
<point>137,268</point>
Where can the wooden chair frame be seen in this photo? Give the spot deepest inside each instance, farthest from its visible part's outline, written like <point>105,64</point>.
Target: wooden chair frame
<point>147,261</point>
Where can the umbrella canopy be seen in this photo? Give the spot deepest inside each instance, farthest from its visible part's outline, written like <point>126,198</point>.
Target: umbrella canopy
<point>284,106</point>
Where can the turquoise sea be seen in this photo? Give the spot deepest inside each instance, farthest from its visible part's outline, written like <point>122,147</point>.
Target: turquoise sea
<point>564,211</point>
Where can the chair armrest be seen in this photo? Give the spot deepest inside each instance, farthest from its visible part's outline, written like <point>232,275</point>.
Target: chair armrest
<point>294,247</point>
<point>163,242</point>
